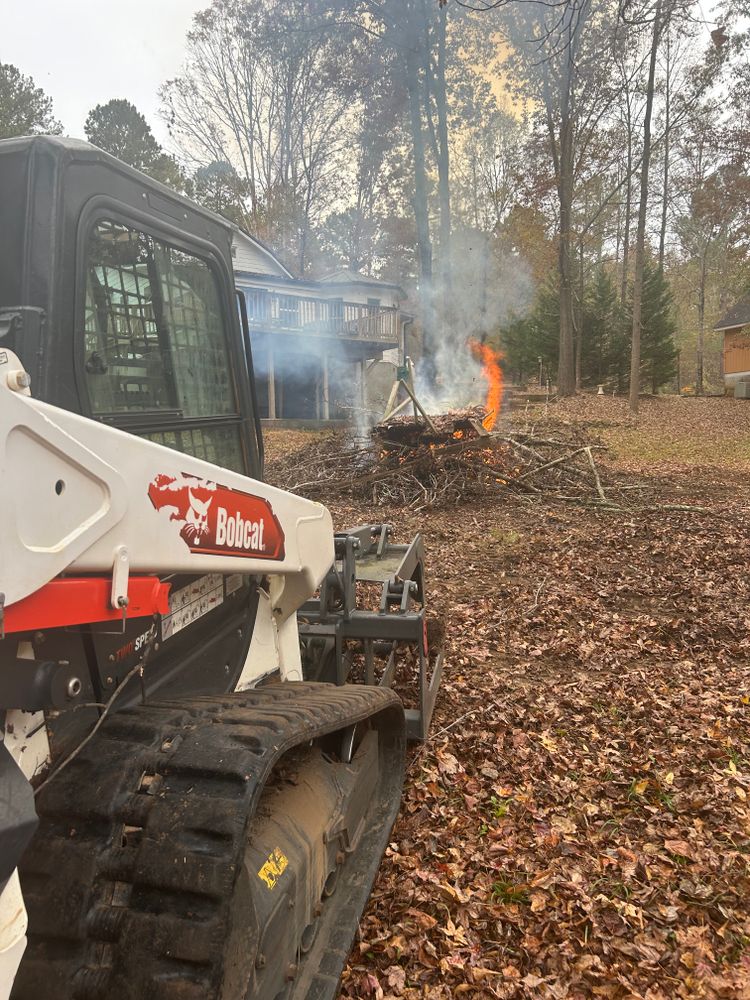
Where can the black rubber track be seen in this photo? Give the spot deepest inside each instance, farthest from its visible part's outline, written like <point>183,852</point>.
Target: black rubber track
<point>131,879</point>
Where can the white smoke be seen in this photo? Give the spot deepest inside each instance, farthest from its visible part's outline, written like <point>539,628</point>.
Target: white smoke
<point>488,287</point>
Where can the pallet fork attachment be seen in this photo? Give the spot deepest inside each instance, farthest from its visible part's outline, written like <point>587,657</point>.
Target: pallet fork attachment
<point>332,627</point>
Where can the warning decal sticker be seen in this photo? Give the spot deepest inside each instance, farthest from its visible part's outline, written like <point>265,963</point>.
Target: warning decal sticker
<point>274,868</point>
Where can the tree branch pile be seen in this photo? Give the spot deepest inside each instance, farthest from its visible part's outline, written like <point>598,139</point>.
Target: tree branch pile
<point>410,463</point>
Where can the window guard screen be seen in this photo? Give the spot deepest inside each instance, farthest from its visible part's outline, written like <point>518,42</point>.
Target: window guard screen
<point>154,334</point>
<point>155,343</point>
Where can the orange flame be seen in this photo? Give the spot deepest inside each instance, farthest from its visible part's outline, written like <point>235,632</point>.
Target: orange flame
<point>493,373</point>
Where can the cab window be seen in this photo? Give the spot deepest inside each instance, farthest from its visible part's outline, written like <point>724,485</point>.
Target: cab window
<point>155,346</point>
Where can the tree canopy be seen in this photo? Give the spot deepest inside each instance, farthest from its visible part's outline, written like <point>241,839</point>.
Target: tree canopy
<point>119,128</point>
<point>25,109</point>
<point>447,144</point>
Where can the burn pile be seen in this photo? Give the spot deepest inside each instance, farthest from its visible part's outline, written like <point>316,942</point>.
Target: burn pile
<point>451,458</point>
<point>442,429</point>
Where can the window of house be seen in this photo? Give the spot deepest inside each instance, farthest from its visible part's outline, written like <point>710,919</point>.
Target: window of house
<point>373,307</point>
<point>257,304</point>
<point>155,343</point>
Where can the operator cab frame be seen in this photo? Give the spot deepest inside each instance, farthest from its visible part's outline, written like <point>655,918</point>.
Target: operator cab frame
<point>118,296</point>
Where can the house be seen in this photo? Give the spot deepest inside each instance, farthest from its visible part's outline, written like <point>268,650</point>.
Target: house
<point>735,325</point>
<point>312,340</point>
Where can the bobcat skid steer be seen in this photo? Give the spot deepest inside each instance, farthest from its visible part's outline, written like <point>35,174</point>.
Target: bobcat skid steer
<point>193,801</point>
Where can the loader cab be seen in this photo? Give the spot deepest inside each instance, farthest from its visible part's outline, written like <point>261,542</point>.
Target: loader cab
<point>118,296</point>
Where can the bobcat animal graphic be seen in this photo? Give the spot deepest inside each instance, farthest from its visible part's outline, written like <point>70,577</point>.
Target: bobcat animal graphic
<point>191,499</point>
<point>217,520</point>
<point>196,522</point>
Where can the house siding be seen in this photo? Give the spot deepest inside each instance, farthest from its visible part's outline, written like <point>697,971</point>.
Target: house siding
<point>736,352</point>
<point>246,256</point>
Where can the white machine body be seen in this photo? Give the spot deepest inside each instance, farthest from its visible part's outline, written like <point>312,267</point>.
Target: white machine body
<point>79,497</point>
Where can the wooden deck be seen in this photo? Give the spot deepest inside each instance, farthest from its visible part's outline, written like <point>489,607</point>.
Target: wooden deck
<point>278,313</point>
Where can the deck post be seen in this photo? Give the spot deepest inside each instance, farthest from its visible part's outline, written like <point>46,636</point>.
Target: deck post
<point>326,402</point>
<point>271,384</point>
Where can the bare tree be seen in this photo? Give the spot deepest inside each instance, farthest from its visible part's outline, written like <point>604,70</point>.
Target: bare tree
<point>562,57</point>
<point>267,91</point>
<point>640,239</point>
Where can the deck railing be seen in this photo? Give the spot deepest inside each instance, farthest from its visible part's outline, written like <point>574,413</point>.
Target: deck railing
<point>321,317</point>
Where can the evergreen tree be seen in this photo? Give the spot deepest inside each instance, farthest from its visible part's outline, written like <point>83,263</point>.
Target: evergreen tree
<point>545,324</point>
<point>605,342</point>
<point>24,108</point>
<point>618,350</point>
<point>598,311</point>
<point>119,128</point>
<point>658,351</point>
<point>219,187</point>
<point>527,339</point>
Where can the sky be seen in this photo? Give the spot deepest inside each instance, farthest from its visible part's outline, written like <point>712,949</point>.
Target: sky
<point>84,52</point>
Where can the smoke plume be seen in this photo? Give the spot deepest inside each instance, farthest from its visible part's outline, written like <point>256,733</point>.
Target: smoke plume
<point>488,287</point>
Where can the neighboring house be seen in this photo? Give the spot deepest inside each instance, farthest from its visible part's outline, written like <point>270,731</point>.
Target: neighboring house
<point>735,325</point>
<point>312,339</point>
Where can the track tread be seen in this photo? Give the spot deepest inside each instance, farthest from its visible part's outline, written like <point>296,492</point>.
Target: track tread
<point>138,910</point>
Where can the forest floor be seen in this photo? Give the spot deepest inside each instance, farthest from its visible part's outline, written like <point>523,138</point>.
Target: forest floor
<point>578,824</point>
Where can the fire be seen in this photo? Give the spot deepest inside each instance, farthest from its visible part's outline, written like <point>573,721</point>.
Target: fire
<point>493,373</point>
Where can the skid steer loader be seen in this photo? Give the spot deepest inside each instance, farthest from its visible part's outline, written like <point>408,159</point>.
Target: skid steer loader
<point>193,800</point>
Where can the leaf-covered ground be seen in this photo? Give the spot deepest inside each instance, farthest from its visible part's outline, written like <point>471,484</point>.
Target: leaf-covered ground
<point>578,824</point>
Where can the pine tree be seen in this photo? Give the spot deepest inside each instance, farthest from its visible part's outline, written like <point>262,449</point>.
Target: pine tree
<point>119,128</point>
<point>24,108</point>
<point>601,323</point>
<point>219,187</point>
<point>525,340</point>
<point>658,351</point>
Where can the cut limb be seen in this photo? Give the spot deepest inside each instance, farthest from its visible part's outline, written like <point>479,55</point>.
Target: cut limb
<point>597,480</point>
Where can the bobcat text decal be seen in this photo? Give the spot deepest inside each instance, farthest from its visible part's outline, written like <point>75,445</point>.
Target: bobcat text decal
<point>218,520</point>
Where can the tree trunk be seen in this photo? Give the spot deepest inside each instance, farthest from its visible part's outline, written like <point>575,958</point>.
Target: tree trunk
<point>444,194</point>
<point>628,209</point>
<point>421,211</point>
<point>566,380</point>
<point>665,175</point>
<point>579,325</point>
<point>701,326</point>
<point>640,242</point>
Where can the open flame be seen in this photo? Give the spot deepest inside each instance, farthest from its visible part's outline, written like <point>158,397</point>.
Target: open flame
<point>493,374</point>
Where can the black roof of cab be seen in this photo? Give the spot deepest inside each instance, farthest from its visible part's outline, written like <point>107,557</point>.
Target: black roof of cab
<point>48,188</point>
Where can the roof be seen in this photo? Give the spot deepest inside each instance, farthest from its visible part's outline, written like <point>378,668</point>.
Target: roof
<point>263,250</point>
<point>738,315</point>
<point>348,276</point>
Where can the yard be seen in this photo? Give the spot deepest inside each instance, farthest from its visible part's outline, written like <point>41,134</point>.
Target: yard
<point>578,824</point>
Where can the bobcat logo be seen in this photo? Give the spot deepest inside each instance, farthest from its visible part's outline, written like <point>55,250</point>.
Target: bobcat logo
<point>191,499</point>
<point>196,522</point>
<point>215,520</point>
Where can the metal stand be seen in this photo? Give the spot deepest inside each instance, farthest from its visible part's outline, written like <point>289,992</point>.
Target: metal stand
<point>405,382</point>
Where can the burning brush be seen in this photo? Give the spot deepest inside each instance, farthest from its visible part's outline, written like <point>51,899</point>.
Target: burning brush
<point>426,460</point>
<point>493,374</point>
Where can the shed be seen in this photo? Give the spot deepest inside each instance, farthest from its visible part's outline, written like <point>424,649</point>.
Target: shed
<point>735,325</point>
